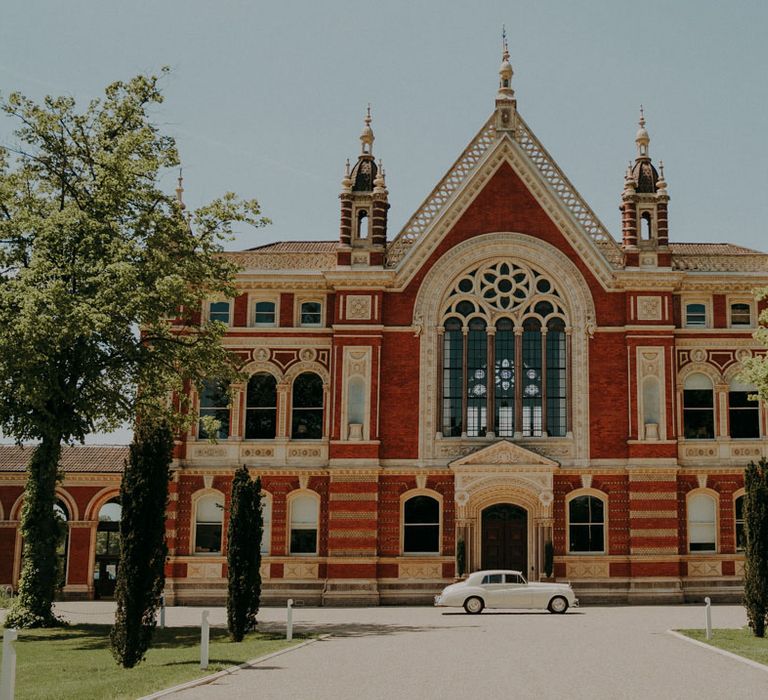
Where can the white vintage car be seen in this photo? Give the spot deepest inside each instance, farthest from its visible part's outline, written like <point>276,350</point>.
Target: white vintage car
<point>505,589</point>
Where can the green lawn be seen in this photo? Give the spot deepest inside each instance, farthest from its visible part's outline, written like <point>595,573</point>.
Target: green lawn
<point>75,662</point>
<point>737,641</point>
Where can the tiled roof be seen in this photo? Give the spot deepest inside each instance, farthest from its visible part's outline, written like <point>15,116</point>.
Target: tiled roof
<point>711,249</point>
<point>74,458</point>
<point>296,247</point>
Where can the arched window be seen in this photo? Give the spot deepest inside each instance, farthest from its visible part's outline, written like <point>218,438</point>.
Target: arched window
<point>453,379</point>
<point>261,407</point>
<point>266,519</point>
<point>527,352</point>
<point>421,525</point>
<point>586,524</point>
<point>741,537</point>
<point>504,378</point>
<point>362,224</point>
<point>743,414</point>
<point>305,512</point>
<point>532,398</point>
<point>702,533</point>
<point>209,518</point>
<point>214,403</point>
<point>556,378</point>
<point>477,378</point>
<point>307,421</point>
<point>698,408</point>
<point>645,226</point>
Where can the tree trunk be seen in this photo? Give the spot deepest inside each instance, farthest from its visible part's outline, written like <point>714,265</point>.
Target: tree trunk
<point>41,532</point>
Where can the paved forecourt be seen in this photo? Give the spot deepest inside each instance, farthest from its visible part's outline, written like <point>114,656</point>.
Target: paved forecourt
<point>616,652</point>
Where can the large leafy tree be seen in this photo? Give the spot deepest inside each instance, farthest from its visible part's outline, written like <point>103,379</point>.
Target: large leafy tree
<point>101,275</point>
<point>244,554</point>
<point>756,546</point>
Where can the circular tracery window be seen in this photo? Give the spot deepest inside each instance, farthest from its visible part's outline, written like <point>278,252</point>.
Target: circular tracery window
<point>505,287</point>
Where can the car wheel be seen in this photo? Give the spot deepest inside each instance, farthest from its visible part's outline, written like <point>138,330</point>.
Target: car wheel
<point>474,605</point>
<point>558,605</point>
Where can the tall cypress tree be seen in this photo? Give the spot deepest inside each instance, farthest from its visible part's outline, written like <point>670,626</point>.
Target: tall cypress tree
<point>244,554</point>
<point>756,548</point>
<point>141,576</point>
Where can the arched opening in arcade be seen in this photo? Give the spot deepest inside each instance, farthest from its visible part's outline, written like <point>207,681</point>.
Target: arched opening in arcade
<point>107,549</point>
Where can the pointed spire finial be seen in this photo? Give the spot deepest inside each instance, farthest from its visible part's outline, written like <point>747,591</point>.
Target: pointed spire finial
<point>180,190</point>
<point>367,137</point>
<point>642,139</point>
<point>505,71</point>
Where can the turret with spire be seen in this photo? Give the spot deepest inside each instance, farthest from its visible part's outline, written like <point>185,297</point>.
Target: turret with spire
<point>364,205</point>
<point>645,233</point>
<point>506,104</point>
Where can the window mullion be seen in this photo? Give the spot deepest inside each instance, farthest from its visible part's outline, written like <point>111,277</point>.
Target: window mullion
<point>544,382</point>
<point>464,379</point>
<point>491,380</point>
<point>518,382</point>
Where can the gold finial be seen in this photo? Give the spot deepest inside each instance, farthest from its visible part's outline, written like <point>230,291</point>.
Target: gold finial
<point>180,190</point>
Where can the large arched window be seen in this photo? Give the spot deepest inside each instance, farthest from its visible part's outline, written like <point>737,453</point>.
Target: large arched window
<point>504,359</point>
<point>698,408</point>
<point>305,513</point>
<point>702,523</point>
<point>586,524</point>
<point>743,414</point>
<point>421,525</point>
<point>261,407</point>
<point>214,403</point>
<point>209,519</point>
<point>307,423</point>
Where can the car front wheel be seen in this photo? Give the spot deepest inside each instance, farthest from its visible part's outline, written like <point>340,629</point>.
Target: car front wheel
<point>558,605</point>
<point>474,605</point>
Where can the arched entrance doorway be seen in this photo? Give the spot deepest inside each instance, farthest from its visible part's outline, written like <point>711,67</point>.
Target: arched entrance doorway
<point>107,549</point>
<point>505,537</point>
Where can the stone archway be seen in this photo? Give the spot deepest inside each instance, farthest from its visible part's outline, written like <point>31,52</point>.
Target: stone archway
<point>505,474</point>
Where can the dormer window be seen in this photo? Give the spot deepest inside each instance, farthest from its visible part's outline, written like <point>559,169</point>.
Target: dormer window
<point>219,311</point>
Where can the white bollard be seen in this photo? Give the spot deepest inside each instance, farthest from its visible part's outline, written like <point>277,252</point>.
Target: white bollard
<point>289,625</point>
<point>162,612</point>
<point>205,635</point>
<point>8,675</point>
<point>708,604</point>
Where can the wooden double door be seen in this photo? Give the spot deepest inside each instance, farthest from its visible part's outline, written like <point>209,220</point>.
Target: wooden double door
<point>505,538</point>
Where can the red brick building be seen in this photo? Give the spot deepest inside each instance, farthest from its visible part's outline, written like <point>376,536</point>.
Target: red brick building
<point>500,374</point>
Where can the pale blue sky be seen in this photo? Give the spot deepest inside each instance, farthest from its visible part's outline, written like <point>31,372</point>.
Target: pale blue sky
<point>267,99</point>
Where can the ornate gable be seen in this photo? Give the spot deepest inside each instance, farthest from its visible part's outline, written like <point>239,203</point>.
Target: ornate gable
<point>505,137</point>
<point>503,453</point>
